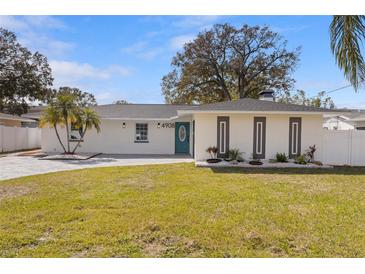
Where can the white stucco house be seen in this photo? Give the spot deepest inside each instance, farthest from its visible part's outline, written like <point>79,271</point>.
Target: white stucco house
<point>259,127</point>
<point>354,119</point>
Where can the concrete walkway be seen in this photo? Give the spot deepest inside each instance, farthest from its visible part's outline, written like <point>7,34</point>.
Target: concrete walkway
<point>14,166</point>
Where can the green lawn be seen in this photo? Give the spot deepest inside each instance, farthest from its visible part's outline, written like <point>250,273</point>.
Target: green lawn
<point>182,211</point>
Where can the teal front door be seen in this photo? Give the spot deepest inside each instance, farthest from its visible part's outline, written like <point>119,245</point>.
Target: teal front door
<point>182,136</point>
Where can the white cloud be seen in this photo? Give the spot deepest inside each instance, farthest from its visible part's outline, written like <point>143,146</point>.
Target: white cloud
<point>17,23</point>
<point>44,44</point>
<point>141,50</point>
<point>290,28</point>
<point>199,22</point>
<point>135,48</point>
<point>12,23</point>
<point>70,73</point>
<point>104,96</point>
<point>150,54</point>
<point>152,34</point>
<point>44,22</point>
<point>31,33</point>
<point>178,42</point>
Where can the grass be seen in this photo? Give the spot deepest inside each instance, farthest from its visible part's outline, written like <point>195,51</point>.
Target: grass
<point>182,211</point>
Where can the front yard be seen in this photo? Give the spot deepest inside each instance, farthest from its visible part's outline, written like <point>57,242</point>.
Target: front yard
<point>182,211</point>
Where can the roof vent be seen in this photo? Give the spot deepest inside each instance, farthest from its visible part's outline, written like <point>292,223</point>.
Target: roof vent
<point>267,95</point>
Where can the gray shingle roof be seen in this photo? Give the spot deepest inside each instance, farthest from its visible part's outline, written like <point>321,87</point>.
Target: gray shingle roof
<point>14,117</point>
<point>165,111</point>
<point>142,111</point>
<point>248,104</point>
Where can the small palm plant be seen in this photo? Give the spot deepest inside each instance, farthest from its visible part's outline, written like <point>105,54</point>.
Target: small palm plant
<point>212,152</point>
<point>235,155</point>
<point>281,157</point>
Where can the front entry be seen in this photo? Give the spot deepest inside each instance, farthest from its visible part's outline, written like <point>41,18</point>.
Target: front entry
<point>182,137</point>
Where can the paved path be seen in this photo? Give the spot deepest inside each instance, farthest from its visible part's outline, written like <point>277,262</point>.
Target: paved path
<point>13,166</point>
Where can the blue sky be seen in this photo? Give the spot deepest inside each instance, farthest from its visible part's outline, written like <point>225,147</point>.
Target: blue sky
<point>125,57</point>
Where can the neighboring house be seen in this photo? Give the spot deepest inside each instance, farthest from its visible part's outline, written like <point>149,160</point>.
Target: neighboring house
<point>354,119</point>
<point>18,133</point>
<point>34,112</point>
<point>260,128</point>
<point>340,122</point>
<point>16,121</point>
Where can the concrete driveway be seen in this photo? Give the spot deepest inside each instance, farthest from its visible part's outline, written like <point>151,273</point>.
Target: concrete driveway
<point>13,166</point>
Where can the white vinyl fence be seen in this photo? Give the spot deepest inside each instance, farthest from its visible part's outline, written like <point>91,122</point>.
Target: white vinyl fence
<point>19,138</point>
<point>344,147</point>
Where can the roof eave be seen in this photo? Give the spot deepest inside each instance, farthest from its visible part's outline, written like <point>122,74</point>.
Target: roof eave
<point>139,119</point>
<point>259,112</point>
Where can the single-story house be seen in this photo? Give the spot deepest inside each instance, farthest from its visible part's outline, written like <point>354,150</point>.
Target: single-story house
<point>16,121</point>
<point>258,127</point>
<point>354,119</point>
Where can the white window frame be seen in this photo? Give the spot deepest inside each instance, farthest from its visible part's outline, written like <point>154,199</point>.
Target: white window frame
<point>259,144</point>
<point>139,135</point>
<point>294,133</point>
<point>222,135</point>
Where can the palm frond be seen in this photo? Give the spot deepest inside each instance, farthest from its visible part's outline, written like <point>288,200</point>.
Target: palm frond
<point>347,34</point>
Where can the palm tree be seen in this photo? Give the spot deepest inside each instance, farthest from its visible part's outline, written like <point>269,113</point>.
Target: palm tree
<point>65,103</point>
<point>347,34</point>
<point>52,116</point>
<point>87,119</point>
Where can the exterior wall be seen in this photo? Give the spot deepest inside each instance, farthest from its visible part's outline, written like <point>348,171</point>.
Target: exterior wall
<point>16,138</point>
<point>115,139</point>
<point>241,133</point>
<point>10,123</point>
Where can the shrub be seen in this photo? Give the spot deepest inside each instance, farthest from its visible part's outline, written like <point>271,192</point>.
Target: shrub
<point>301,159</point>
<point>235,154</point>
<point>212,151</point>
<point>281,157</point>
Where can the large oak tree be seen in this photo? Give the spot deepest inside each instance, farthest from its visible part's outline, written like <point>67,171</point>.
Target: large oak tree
<point>24,76</point>
<point>226,63</point>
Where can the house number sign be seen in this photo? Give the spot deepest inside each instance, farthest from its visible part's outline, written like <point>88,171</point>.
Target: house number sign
<point>168,125</point>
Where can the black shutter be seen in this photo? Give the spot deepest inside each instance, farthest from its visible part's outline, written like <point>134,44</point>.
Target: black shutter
<point>295,136</point>
<point>259,137</point>
<point>222,136</point>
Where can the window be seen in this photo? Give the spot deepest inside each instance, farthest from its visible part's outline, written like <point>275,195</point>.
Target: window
<point>75,132</point>
<point>141,133</point>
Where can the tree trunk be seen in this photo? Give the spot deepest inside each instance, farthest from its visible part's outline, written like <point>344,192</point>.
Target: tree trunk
<point>81,138</point>
<point>241,88</point>
<point>68,134</point>
<point>58,137</point>
<point>226,95</point>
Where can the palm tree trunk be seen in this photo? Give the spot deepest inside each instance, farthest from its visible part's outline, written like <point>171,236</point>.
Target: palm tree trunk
<point>81,138</point>
<point>58,137</point>
<point>68,134</point>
